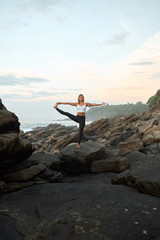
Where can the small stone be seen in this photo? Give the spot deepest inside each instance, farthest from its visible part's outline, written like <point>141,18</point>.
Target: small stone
<point>154,209</point>
<point>145,232</point>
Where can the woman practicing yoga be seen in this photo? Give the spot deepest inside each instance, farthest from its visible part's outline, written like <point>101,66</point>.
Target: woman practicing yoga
<point>80,118</point>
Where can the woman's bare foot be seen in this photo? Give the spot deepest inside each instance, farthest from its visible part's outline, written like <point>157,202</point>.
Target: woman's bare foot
<point>78,145</point>
<point>56,105</point>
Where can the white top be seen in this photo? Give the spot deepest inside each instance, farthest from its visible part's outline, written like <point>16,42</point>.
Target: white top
<point>81,108</point>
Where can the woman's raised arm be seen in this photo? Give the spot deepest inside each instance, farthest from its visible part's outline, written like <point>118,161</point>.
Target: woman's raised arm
<point>94,104</point>
<point>67,103</point>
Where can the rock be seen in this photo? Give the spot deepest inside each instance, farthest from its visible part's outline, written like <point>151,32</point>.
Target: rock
<point>47,159</point>
<point>79,160</point>
<point>59,166</point>
<point>2,186</point>
<point>112,153</point>
<point>151,149</point>
<point>8,122</point>
<point>114,164</point>
<point>24,174</point>
<point>123,136</point>
<point>148,139</point>
<point>57,177</point>
<point>16,186</point>
<point>110,131</point>
<point>2,107</point>
<point>157,136</point>
<point>136,157</point>
<point>13,149</point>
<point>145,176</point>
<point>84,206</point>
<point>130,146</point>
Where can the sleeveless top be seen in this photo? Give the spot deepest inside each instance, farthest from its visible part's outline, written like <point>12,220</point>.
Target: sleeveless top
<point>81,108</point>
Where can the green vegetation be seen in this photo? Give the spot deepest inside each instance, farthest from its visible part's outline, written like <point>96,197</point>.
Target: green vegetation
<point>154,101</point>
<point>108,111</point>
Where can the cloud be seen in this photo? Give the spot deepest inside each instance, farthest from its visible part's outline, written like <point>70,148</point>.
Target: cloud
<point>12,80</point>
<point>29,95</point>
<point>40,95</point>
<point>13,24</point>
<point>117,39</point>
<point>141,63</point>
<point>41,6</point>
<point>47,7</point>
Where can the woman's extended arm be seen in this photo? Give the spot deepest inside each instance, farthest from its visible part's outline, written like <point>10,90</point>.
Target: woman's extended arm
<point>94,104</point>
<point>67,103</point>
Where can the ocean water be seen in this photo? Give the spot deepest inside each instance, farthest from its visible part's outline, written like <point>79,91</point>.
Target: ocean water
<point>29,125</point>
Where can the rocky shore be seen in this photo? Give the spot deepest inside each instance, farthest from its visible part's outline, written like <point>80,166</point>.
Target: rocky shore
<point>107,189</point>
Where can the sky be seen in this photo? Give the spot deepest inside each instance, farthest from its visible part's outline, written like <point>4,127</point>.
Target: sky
<point>53,50</point>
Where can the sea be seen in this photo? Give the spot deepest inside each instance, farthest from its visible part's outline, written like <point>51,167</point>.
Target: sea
<point>29,125</point>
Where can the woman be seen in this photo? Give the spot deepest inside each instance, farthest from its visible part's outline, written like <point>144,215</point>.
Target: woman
<point>80,118</point>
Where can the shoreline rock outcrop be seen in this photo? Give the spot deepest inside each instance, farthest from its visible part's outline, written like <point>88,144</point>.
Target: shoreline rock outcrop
<point>81,193</point>
<point>128,141</point>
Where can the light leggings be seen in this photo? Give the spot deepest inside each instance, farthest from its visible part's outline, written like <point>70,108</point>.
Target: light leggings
<point>78,119</point>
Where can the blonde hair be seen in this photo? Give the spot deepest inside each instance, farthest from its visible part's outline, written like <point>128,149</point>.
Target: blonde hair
<point>79,96</point>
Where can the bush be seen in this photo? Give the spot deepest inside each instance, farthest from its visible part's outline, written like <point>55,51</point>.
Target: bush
<point>154,101</point>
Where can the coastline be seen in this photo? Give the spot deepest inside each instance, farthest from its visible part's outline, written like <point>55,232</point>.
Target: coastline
<point>27,126</point>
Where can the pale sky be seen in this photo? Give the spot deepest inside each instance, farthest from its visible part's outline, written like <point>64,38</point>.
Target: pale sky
<point>53,50</point>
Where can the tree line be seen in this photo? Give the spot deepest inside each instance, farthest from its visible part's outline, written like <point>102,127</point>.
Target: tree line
<point>108,111</point>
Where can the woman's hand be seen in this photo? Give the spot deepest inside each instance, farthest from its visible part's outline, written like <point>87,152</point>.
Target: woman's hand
<point>56,105</point>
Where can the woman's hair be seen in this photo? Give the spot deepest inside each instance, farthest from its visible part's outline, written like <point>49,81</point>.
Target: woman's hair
<point>80,96</point>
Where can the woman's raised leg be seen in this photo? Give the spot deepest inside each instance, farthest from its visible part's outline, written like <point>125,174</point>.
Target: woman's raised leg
<point>71,116</point>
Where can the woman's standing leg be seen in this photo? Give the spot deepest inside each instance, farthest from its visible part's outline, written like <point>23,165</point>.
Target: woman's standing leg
<point>71,116</point>
<point>81,126</point>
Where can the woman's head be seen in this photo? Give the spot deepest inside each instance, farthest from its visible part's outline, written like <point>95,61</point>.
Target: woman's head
<point>80,98</point>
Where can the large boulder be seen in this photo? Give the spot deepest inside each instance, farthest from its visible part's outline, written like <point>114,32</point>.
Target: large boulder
<point>145,176</point>
<point>80,160</point>
<point>13,148</point>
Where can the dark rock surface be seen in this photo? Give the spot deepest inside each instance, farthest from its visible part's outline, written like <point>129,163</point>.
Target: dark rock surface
<point>144,176</point>
<point>82,207</point>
